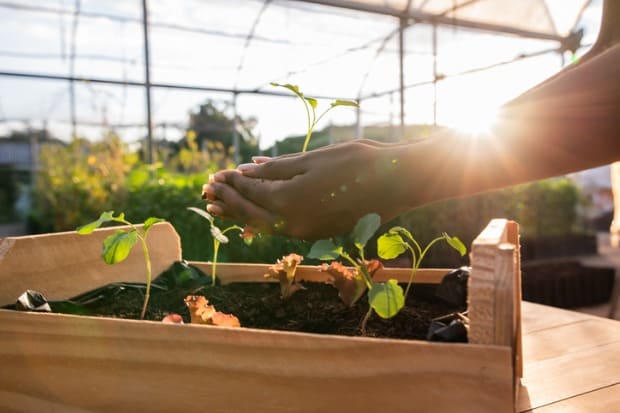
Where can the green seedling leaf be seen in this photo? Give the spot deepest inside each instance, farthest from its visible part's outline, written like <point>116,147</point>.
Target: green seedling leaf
<point>202,213</point>
<point>150,222</point>
<point>103,218</point>
<point>325,250</point>
<point>340,102</point>
<point>292,88</point>
<point>456,243</point>
<point>390,245</point>
<point>116,247</point>
<point>402,231</point>
<point>387,298</point>
<point>218,235</point>
<point>365,228</point>
<point>312,101</point>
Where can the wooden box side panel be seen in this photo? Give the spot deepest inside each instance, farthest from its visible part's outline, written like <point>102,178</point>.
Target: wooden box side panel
<point>246,272</point>
<point>121,365</point>
<point>495,289</point>
<point>62,265</point>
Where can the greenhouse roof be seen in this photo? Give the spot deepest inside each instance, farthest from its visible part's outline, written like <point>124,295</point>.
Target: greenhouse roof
<point>231,50</point>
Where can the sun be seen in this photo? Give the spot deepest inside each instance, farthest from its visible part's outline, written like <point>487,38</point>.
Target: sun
<point>475,119</point>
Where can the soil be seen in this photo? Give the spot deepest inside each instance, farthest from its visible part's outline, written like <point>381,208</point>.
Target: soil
<point>316,309</point>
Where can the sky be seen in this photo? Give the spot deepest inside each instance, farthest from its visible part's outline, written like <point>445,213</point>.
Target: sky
<point>328,52</point>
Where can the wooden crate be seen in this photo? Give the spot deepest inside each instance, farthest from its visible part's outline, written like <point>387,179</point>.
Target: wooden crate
<point>64,363</point>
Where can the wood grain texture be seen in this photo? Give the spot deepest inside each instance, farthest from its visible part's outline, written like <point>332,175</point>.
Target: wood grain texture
<point>109,365</point>
<point>242,272</point>
<point>605,400</point>
<point>566,357</point>
<point>63,265</point>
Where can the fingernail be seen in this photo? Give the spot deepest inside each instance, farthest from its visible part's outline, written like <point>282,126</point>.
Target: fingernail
<point>260,159</point>
<point>246,167</point>
<point>214,209</point>
<point>218,177</point>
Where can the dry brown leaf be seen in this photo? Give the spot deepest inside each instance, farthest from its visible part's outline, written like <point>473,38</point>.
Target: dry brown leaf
<point>349,284</point>
<point>202,313</point>
<point>284,271</point>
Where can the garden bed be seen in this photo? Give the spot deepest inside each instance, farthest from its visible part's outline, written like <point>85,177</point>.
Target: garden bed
<point>104,364</point>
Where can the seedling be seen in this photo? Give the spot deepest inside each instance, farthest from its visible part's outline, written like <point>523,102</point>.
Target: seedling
<point>219,237</point>
<point>398,240</point>
<point>385,298</point>
<point>310,104</point>
<point>117,246</point>
<point>284,271</point>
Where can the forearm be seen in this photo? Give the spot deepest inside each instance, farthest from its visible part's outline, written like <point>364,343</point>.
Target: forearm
<point>567,124</point>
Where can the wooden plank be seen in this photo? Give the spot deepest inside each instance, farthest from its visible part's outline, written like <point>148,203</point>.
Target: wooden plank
<point>112,365</point>
<point>242,272</point>
<point>494,289</point>
<point>605,400</point>
<point>562,377</point>
<point>570,338</point>
<point>538,317</point>
<point>482,282</point>
<point>62,265</point>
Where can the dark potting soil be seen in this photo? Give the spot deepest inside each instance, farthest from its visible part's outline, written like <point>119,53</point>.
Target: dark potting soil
<point>314,309</point>
<point>317,309</point>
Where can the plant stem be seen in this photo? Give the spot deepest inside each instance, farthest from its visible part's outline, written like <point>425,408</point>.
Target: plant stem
<point>307,141</point>
<point>216,247</point>
<point>414,269</point>
<point>147,261</point>
<point>365,321</point>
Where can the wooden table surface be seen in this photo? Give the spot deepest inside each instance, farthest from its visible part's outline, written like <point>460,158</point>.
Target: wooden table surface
<point>571,361</point>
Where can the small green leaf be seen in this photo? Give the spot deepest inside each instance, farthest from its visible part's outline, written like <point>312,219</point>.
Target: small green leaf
<point>390,246</point>
<point>292,88</point>
<point>150,221</point>
<point>340,102</point>
<point>387,298</point>
<point>312,101</point>
<point>324,250</point>
<point>202,213</point>
<point>116,247</point>
<point>456,243</point>
<point>365,228</point>
<point>401,231</point>
<point>218,235</point>
<point>90,227</point>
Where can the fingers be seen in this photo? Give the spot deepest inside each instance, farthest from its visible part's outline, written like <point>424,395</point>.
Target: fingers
<point>256,191</point>
<point>273,169</point>
<point>229,204</point>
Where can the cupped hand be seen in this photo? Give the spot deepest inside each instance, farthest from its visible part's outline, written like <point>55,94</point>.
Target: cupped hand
<point>313,194</point>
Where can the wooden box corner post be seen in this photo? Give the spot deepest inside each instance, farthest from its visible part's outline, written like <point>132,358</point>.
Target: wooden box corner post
<point>495,289</point>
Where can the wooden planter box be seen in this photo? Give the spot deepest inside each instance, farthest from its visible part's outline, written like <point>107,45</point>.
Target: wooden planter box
<point>64,363</point>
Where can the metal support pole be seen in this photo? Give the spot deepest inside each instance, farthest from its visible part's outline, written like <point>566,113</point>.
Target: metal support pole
<point>235,132</point>
<point>147,84</point>
<point>401,64</point>
<point>434,74</point>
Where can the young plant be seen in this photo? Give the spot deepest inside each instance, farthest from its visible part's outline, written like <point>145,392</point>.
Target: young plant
<point>386,299</point>
<point>219,237</point>
<point>117,246</point>
<point>398,240</point>
<point>284,271</point>
<point>310,104</point>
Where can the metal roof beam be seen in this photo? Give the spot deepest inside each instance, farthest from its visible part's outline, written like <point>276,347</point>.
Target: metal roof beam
<point>423,17</point>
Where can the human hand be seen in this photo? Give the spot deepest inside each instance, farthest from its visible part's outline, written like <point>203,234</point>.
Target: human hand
<point>314,194</point>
